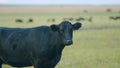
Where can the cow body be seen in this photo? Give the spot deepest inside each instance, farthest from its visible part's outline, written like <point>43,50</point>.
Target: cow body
<point>19,20</point>
<point>40,46</point>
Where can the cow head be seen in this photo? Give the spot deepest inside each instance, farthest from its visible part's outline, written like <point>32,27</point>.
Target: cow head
<point>65,29</point>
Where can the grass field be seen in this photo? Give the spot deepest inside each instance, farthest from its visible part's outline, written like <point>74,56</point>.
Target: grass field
<point>96,44</point>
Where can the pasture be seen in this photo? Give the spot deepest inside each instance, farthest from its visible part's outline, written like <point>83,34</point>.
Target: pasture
<point>96,44</point>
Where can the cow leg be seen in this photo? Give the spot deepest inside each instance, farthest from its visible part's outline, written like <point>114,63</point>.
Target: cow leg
<point>48,64</point>
<point>37,66</point>
<point>55,61</point>
<point>52,63</point>
<point>37,63</point>
<point>0,64</point>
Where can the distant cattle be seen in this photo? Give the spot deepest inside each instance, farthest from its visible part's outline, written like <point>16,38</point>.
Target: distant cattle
<point>80,19</point>
<point>90,19</point>
<point>109,10</point>
<point>39,46</point>
<point>51,20</point>
<point>114,17</point>
<point>74,19</point>
<point>19,20</point>
<point>69,19</point>
<point>85,11</point>
<point>30,20</point>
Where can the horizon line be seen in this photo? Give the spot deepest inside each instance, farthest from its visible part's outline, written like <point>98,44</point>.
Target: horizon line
<point>59,5</point>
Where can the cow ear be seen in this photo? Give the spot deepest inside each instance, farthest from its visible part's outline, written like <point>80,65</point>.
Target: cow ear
<point>54,27</point>
<point>76,26</point>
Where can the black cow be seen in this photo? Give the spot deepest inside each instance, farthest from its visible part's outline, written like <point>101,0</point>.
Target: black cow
<point>80,19</point>
<point>39,46</point>
<point>52,20</point>
<point>90,19</point>
<point>30,20</point>
<point>19,20</point>
<point>114,18</point>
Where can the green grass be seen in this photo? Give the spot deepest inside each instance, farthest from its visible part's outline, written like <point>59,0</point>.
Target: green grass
<point>96,44</point>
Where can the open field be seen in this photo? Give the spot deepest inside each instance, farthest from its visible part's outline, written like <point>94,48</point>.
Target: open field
<point>54,9</point>
<point>96,44</point>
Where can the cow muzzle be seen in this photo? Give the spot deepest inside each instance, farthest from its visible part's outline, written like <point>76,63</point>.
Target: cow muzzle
<point>68,42</point>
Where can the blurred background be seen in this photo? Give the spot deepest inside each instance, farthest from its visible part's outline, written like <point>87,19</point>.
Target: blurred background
<point>96,44</point>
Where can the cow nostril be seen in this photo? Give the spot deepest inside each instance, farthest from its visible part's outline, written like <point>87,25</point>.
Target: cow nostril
<point>68,42</point>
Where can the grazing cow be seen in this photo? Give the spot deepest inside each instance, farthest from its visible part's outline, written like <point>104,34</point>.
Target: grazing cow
<point>114,18</point>
<point>117,17</point>
<point>39,46</point>
<point>80,19</point>
<point>69,19</point>
<point>30,20</point>
<point>90,19</point>
<point>52,20</point>
<point>85,11</point>
<point>19,20</point>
